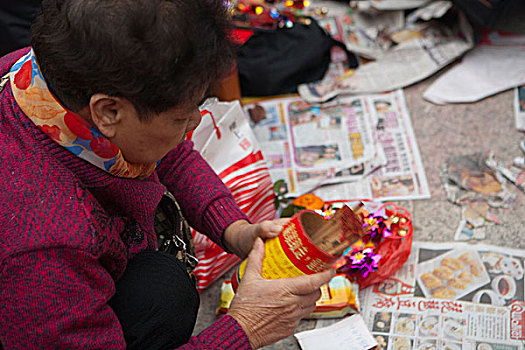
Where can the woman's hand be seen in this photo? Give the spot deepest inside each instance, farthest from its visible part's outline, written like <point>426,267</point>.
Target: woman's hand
<point>239,236</point>
<point>269,310</point>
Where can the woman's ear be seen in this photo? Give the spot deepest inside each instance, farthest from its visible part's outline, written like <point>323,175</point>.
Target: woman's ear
<point>107,113</point>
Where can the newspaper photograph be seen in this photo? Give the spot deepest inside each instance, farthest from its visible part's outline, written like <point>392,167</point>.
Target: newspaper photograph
<point>403,176</point>
<point>452,275</point>
<point>478,273</point>
<point>519,107</point>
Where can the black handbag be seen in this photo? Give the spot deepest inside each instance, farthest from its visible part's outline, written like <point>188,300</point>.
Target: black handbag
<point>276,62</point>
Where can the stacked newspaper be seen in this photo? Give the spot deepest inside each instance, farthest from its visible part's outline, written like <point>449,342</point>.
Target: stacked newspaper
<point>404,49</point>
<point>353,147</point>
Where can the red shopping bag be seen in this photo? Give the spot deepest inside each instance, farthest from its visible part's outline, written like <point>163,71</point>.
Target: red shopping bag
<point>226,141</point>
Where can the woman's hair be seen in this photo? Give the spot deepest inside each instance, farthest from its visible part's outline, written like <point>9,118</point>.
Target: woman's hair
<point>158,54</point>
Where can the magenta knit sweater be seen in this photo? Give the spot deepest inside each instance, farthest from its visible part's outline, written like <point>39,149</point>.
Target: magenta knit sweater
<point>68,229</point>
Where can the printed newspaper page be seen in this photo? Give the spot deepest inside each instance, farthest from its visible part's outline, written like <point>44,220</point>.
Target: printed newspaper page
<point>403,177</point>
<point>476,273</point>
<point>356,147</point>
<point>305,144</point>
<point>450,296</point>
<point>478,287</point>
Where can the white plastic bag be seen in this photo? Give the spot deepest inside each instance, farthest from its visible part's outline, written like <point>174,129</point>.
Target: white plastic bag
<point>226,141</point>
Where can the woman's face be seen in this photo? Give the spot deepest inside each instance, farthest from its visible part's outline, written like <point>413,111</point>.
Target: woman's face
<point>146,142</point>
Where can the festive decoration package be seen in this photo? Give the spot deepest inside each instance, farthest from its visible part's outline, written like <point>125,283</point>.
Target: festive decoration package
<point>307,244</point>
<point>267,15</point>
<point>385,246</point>
<point>367,246</point>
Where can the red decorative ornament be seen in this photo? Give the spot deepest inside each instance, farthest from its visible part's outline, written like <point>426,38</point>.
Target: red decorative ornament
<point>384,248</point>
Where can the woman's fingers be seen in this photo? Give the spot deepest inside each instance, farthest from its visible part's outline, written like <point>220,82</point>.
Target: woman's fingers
<point>283,221</point>
<point>307,284</point>
<point>255,258</point>
<point>269,229</point>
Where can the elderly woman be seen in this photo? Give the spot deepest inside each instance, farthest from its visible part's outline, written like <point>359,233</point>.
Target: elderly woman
<point>94,165</point>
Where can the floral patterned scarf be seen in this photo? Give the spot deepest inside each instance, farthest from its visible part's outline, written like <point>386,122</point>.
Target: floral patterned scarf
<point>66,128</point>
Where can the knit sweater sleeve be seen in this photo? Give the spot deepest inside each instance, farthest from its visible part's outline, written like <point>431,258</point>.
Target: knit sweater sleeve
<point>57,298</point>
<point>225,333</point>
<point>206,202</point>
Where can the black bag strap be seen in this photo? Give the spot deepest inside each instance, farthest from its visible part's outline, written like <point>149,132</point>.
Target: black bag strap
<point>173,232</point>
